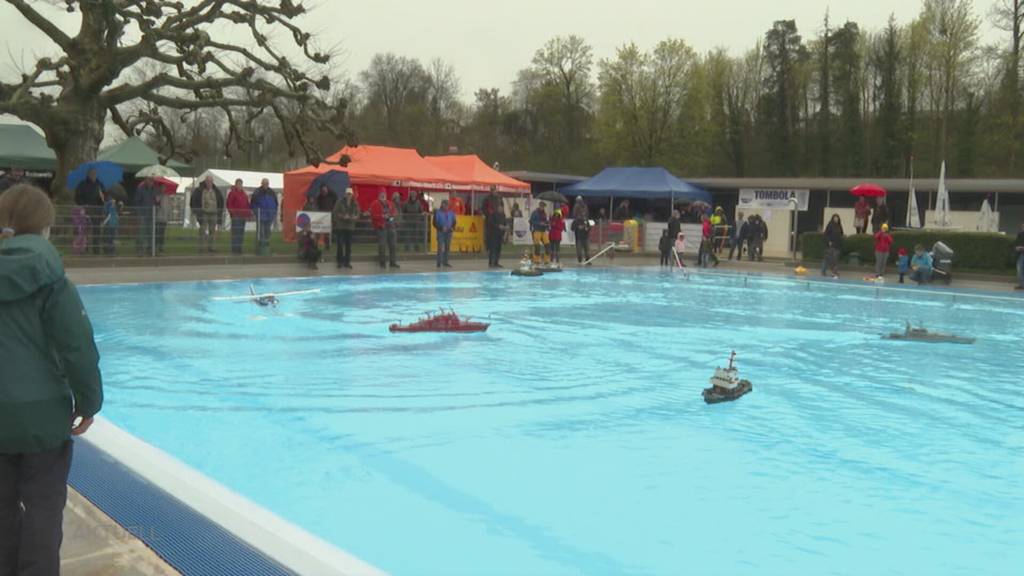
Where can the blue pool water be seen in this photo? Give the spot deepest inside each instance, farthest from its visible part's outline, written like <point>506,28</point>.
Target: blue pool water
<point>571,438</point>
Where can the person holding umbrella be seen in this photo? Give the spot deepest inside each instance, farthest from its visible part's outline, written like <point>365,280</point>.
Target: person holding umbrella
<point>89,195</point>
<point>539,227</point>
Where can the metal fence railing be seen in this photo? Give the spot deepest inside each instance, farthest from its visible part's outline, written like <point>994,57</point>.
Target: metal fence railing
<point>96,231</point>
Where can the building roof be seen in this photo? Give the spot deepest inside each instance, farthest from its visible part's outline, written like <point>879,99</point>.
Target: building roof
<point>22,147</point>
<point>984,185</point>
<point>547,177</point>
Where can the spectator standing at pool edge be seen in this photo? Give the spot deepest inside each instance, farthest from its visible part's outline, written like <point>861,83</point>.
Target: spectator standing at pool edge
<point>50,385</point>
<point>883,243</point>
<point>147,196</point>
<point>861,215</point>
<point>240,212</point>
<point>343,220</point>
<point>581,230</point>
<point>207,203</point>
<point>539,229</point>
<point>89,195</point>
<point>833,246</point>
<point>383,216</point>
<point>1019,248</point>
<point>444,224</point>
<point>557,227</point>
<point>264,204</point>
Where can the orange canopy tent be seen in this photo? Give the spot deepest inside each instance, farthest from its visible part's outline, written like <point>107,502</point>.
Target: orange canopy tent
<point>481,177</point>
<point>372,169</point>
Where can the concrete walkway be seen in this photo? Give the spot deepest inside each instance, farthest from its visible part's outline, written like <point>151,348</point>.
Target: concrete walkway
<point>96,546</point>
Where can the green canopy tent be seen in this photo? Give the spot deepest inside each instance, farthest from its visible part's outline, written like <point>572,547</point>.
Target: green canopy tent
<point>133,155</point>
<point>22,147</point>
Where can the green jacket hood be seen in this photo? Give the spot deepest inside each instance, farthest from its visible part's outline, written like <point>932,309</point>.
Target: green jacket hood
<point>27,263</point>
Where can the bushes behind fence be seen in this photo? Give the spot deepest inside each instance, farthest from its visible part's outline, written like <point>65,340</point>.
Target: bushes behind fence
<point>974,250</point>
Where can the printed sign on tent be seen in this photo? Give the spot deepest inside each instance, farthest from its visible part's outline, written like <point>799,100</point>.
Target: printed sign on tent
<point>468,235</point>
<point>774,198</point>
<point>319,222</point>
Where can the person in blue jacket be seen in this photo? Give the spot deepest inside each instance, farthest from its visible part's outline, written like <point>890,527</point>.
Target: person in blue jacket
<point>264,204</point>
<point>444,224</point>
<point>921,266</point>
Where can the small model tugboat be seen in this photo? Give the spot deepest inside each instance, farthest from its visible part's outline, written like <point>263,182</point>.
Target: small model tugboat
<point>443,322</point>
<point>922,335</point>
<point>526,267</point>
<point>726,385</point>
<point>550,267</point>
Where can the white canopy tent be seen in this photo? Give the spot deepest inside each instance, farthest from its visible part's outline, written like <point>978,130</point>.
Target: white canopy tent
<point>225,179</point>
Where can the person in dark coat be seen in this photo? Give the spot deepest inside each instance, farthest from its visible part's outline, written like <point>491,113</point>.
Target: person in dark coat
<point>89,195</point>
<point>147,196</point>
<point>881,215</point>
<point>740,233</point>
<point>50,383</point>
<point>665,248</point>
<point>343,220</point>
<point>495,224</point>
<point>207,203</point>
<point>412,215</point>
<point>833,246</point>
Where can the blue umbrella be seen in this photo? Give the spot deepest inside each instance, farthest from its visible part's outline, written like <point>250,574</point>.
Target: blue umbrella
<point>107,173</point>
<point>335,180</point>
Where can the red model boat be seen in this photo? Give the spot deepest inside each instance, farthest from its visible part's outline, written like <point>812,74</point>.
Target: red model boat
<point>443,322</point>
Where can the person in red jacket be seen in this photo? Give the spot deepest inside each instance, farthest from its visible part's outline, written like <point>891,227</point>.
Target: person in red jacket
<point>557,227</point>
<point>384,216</point>
<point>883,242</point>
<point>240,212</point>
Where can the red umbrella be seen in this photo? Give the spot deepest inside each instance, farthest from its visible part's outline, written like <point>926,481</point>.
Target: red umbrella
<point>868,190</point>
<point>168,187</point>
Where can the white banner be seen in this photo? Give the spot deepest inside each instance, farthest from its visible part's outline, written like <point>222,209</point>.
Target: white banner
<point>774,198</point>
<point>521,232</point>
<point>319,222</point>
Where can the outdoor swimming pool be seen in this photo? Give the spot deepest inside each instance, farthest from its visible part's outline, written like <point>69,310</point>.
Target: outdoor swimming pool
<point>571,438</point>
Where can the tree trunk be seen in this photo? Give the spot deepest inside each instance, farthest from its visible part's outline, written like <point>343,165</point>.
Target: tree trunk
<point>75,137</point>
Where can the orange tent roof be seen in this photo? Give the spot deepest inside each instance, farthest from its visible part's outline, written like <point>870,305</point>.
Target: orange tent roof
<point>472,169</point>
<point>383,165</point>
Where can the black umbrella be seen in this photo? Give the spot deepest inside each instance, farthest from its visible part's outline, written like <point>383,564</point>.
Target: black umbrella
<point>552,196</point>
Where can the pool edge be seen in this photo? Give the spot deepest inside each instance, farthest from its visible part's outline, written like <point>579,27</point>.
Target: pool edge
<point>280,541</point>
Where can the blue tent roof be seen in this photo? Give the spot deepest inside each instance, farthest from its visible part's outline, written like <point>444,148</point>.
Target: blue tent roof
<point>646,183</point>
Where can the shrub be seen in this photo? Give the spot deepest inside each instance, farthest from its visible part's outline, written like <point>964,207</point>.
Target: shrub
<point>974,250</point>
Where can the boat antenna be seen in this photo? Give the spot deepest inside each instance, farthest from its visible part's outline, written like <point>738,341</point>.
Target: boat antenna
<point>731,356</point>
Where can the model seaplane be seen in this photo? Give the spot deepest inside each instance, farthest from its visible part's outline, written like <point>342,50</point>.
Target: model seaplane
<point>269,299</point>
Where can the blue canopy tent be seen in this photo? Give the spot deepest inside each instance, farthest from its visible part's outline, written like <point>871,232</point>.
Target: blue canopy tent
<point>641,183</point>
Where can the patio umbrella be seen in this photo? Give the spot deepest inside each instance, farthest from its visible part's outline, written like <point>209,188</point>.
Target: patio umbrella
<point>335,180</point>
<point>913,214</point>
<point>157,170</point>
<point>118,192</point>
<point>552,196</point>
<point>987,221</point>
<point>107,173</point>
<point>868,190</point>
<point>168,187</point>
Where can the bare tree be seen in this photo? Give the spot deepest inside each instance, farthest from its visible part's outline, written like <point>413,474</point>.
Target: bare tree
<point>70,97</point>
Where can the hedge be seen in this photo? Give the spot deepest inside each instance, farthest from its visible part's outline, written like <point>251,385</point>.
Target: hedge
<point>974,250</point>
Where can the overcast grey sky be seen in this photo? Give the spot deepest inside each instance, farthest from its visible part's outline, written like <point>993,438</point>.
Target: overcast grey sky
<point>488,41</point>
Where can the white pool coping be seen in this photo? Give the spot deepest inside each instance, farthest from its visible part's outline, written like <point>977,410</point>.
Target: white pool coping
<point>280,540</point>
